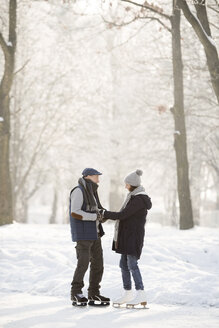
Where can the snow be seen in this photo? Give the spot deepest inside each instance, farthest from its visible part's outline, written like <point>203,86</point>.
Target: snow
<point>1,119</point>
<point>180,271</point>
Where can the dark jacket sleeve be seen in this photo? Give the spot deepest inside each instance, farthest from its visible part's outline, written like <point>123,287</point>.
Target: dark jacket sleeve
<point>134,205</point>
<point>149,203</point>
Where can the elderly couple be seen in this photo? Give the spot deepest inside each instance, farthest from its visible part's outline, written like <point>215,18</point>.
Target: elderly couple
<point>86,215</point>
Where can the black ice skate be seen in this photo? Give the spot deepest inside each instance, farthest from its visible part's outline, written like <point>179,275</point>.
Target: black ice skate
<point>79,300</point>
<point>98,300</point>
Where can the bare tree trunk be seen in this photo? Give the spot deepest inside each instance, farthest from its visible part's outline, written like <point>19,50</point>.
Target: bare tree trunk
<point>5,181</point>
<point>202,29</point>
<point>9,49</point>
<point>200,7</point>
<point>217,200</point>
<point>196,189</point>
<point>174,209</point>
<point>52,219</point>
<point>22,211</point>
<point>180,142</point>
<point>115,198</point>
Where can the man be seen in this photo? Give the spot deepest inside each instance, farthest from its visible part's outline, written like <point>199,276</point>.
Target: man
<point>87,231</point>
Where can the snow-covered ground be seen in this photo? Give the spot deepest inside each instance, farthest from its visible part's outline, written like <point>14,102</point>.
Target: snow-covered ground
<point>180,271</point>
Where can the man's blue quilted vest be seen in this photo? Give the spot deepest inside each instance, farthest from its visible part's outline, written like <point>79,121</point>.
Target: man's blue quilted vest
<point>83,230</point>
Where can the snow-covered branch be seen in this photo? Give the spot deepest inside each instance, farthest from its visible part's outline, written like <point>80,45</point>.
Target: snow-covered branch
<point>197,26</point>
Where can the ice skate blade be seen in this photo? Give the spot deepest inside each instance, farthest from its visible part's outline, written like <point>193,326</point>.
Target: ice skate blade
<point>139,306</point>
<point>98,303</point>
<point>117,305</point>
<point>82,304</point>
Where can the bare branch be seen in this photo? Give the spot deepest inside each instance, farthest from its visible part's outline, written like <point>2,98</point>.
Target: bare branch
<point>111,23</point>
<point>153,8</point>
<point>212,8</point>
<point>4,45</point>
<point>136,18</point>
<point>131,37</point>
<point>215,26</point>
<point>159,21</point>
<point>20,69</point>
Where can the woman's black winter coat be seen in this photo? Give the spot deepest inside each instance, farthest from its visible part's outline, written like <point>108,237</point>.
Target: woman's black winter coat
<point>131,226</point>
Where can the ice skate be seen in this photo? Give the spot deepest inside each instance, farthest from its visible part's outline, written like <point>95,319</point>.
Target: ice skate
<point>98,300</point>
<point>139,301</point>
<point>79,300</point>
<point>127,296</point>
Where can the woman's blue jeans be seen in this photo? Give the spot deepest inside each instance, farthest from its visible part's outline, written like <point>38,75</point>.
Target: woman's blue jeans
<point>129,265</point>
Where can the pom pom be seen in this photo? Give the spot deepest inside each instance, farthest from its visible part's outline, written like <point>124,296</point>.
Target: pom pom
<point>139,172</point>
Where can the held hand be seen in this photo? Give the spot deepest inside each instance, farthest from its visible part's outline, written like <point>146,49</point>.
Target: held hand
<point>100,216</point>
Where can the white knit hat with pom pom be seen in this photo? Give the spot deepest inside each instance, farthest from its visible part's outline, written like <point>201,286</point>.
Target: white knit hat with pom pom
<point>134,178</point>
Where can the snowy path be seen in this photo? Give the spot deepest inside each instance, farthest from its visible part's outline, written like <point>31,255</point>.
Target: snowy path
<point>180,271</point>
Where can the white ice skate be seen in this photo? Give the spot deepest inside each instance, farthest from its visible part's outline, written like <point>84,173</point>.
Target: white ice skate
<point>139,301</point>
<point>127,296</point>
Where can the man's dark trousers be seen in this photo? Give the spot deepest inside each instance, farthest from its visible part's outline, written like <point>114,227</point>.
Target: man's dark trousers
<point>88,251</point>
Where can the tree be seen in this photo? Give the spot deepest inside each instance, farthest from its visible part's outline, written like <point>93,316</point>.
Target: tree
<point>200,25</point>
<point>8,47</point>
<point>180,139</point>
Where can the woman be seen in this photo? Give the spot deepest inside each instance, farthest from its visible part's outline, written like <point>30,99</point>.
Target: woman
<point>129,237</point>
